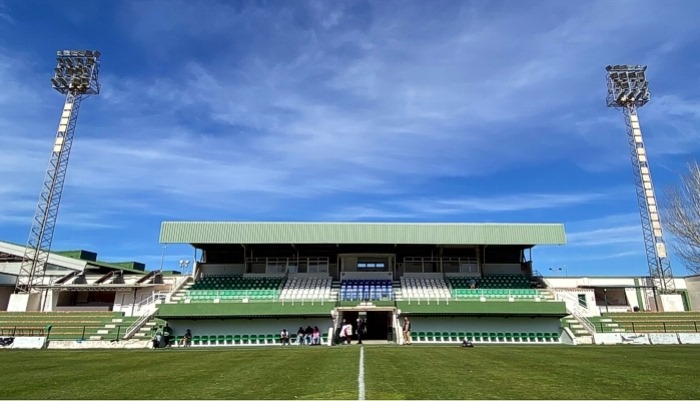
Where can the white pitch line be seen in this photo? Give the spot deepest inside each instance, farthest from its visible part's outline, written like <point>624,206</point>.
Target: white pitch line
<point>361,376</point>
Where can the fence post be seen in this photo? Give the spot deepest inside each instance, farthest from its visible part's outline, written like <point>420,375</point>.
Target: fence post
<point>664,323</point>
<point>82,336</point>
<point>633,329</point>
<point>696,326</point>
<point>118,331</point>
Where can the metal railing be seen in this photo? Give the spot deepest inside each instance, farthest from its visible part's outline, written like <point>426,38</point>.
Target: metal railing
<point>158,296</point>
<point>22,331</point>
<point>576,310</point>
<point>136,326</point>
<point>646,327</point>
<point>84,332</point>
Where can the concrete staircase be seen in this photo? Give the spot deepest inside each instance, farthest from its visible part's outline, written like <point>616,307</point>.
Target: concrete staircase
<point>396,288</point>
<point>582,335</point>
<point>147,331</point>
<point>113,330</point>
<point>180,295</point>
<point>607,325</point>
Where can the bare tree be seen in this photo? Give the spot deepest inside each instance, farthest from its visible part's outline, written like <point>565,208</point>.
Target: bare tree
<point>682,217</point>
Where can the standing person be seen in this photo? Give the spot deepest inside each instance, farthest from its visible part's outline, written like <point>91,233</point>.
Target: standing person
<point>347,333</point>
<point>167,333</point>
<point>360,329</point>
<point>406,331</point>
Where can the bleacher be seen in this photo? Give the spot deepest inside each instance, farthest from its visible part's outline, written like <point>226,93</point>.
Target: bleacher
<point>366,290</point>
<point>648,322</point>
<point>307,288</point>
<point>500,286</point>
<point>234,287</point>
<point>245,339</point>
<point>65,325</point>
<point>424,288</point>
<point>485,337</point>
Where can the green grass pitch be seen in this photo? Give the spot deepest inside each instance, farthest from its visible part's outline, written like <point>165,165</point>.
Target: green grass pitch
<point>391,372</point>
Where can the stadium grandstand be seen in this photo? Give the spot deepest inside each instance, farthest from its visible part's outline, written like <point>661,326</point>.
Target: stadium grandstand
<point>453,281</point>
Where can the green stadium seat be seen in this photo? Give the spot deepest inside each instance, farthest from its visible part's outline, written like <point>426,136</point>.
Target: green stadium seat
<point>229,339</point>
<point>445,336</point>
<point>245,339</point>
<point>196,340</point>
<point>454,336</point>
<point>220,340</point>
<point>414,336</point>
<point>212,340</point>
<point>271,339</point>
<point>237,339</point>
<point>484,336</point>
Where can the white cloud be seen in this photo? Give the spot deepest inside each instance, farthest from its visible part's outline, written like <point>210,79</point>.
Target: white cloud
<point>504,203</point>
<point>332,101</point>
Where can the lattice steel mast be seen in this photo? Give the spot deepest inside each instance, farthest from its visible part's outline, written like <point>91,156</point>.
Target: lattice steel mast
<point>76,77</point>
<point>628,90</point>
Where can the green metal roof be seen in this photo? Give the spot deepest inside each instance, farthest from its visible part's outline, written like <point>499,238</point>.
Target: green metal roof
<point>201,232</point>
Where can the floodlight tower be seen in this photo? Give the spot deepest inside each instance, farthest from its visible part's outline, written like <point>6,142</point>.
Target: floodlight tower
<point>628,90</point>
<point>75,76</point>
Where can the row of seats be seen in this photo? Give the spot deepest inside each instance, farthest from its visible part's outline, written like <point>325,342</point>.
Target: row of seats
<point>231,295</point>
<point>244,339</point>
<point>424,288</point>
<point>491,337</point>
<point>495,294</point>
<point>372,290</point>
<point>307,288</point>
<point>237,283</point>
<point>491,281</point>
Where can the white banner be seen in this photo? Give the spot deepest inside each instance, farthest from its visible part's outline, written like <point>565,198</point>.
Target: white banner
<point>620,338</point>
<point>22,342</point>
<point>99,344</point>
<point>663,338</point>
<point>689,338</point>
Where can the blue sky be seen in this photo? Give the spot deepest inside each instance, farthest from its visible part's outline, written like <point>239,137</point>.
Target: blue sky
<point>347,111</point>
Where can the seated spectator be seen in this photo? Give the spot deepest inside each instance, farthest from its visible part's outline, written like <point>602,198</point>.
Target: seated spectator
<point>308,335</point>
<point>472,284</point>
<point>316,336</point>
<point>300,336</point>
<point>187,339</point>
<point>284,337</point>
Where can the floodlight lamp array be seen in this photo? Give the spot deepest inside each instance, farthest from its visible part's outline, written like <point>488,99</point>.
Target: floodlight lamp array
<point>76,72</point>
<point>627,86</point>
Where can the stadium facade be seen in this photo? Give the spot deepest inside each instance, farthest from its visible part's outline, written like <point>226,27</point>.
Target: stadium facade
<point>453,281</point>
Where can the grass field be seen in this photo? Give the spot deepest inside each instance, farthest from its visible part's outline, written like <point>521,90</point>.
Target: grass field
<point>391,372</point>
